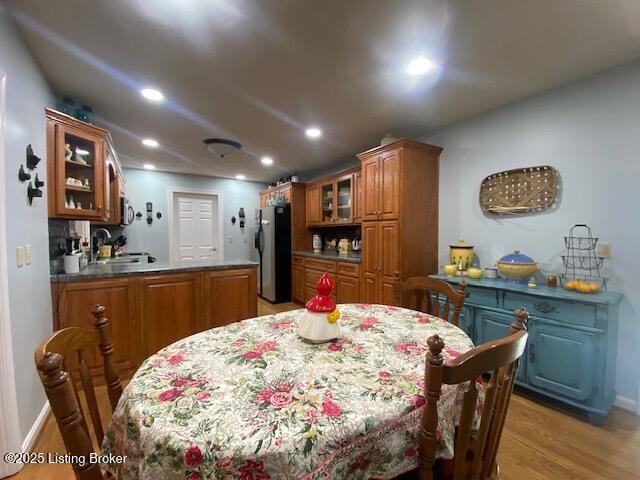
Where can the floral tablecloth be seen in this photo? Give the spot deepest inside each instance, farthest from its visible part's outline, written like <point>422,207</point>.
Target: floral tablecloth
<point>252,401</point>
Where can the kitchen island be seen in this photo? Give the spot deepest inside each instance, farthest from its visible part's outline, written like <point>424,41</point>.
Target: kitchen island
<point>152,305</point>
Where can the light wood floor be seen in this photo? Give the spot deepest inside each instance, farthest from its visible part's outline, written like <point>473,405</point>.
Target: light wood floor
<point>539,441</point>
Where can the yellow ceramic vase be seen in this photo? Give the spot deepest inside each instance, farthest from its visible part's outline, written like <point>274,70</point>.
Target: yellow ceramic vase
<point>461,252</point>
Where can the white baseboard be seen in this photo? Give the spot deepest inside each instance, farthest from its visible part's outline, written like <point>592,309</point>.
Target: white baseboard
<point>36,428</point>
<point>627,404</point>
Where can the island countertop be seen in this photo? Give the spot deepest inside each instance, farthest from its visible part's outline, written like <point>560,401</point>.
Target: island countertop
<point>93,272</point>
<point>353,257</point>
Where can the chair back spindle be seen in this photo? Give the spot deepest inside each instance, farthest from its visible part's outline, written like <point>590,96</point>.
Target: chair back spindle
<point>56,359</point>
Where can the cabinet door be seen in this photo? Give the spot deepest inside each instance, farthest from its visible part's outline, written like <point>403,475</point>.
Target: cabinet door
<point>390,185</point>
<point>263,200</point>
<point>370,187</point>
<point>314,210</point>
<point>492,326</point>
<point>72,308</point>
<point>286,193</point>
<point>389,264</point>
<point>79,159</point>
<point>170,309</point>
<point>344,199</point>
<point>347,289</point>
<point>561,360</point>
<point>465,321</point>
<point>298,283</point>
<point>328,202</point>
<point>370,262</point>
<point>229,296</point>
<point>357,197</point>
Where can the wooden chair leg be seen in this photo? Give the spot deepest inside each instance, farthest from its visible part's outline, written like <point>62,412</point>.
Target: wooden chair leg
<point>64,404</point>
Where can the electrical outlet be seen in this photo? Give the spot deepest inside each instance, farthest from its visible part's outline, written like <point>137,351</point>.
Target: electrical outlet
<point>604,250</point>
<point>27,254</point>
<point>20,256</point>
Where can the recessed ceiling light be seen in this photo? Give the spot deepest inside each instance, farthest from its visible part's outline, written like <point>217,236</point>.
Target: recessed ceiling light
<point>240,176</point>
<point>150,142</point>
<point>267,160</point>
<point>313,132</point>
<point>152,94</point>
<point>420,66</point>
<point>149,166</point>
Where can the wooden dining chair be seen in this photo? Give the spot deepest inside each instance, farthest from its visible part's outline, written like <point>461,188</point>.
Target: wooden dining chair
<point>474,451</point>
<point>431,296</point>
<point>59,357</point>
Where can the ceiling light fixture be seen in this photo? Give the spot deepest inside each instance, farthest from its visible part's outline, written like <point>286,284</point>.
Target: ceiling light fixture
<point>267,160</point>
<point>150,142</point>
<point>240,176</point>
<point>149,166</point>
<point>221,146</point>
<point>313,132</point>
<point>420,66</point>
<point>152,94</point>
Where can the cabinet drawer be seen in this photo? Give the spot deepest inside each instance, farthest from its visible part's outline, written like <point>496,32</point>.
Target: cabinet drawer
<point>311,277</point>
<point>482,296</point>
<point>349,269</point>
<point>297,260</point>
<point>324,265</point>
<point>565,311</point>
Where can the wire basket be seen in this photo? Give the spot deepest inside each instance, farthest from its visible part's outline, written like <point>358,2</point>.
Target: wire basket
<point>581,262</point>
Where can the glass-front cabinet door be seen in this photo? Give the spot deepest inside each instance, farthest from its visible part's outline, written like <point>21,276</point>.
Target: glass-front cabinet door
<point>328,202</point>
<point>80,163</point>
<point>344,199</point>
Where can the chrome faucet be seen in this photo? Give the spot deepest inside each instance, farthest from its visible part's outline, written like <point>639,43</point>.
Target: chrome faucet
<point>96,243</point>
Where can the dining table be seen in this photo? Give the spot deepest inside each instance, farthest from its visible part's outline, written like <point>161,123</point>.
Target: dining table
<point>254,401</point>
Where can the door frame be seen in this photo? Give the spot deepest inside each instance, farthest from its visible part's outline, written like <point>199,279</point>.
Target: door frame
<point>9,427</point>
<point>171,195</point>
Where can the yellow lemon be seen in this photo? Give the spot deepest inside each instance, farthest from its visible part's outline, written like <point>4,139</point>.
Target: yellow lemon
<point>594,287</point>
<point>584,288</point>
<point>570,285</point>
<point>333,316</point>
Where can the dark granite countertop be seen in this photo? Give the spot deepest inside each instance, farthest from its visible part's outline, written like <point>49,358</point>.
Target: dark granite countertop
<point>94,272</point>
<point>353,257</point>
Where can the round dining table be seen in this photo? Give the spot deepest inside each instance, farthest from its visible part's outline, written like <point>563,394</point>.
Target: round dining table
<point>254,401</point>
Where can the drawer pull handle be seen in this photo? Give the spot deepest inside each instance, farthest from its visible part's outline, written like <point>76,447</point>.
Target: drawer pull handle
<point>532,352</point>
<point>545,307</point>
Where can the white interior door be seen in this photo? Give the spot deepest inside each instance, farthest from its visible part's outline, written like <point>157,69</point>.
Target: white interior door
<point>196,227</point>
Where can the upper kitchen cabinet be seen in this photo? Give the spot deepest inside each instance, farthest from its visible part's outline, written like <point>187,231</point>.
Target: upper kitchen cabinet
<point>75,168</point>
<point>114,188</point>
<point>332,200</point>
<point>381,179</point>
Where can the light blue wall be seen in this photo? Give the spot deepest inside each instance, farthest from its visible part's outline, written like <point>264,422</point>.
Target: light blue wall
<point>590,132</point>
<point>151,186</point>
<point>29,293</point>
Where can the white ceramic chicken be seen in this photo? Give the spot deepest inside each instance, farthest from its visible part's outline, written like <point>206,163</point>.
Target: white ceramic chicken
<point>319,323</point>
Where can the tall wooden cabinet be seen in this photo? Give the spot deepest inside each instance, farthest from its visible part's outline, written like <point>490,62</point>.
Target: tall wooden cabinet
<point>399,216</point>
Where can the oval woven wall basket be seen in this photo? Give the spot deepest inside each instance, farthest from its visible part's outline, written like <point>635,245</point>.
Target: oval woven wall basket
<point>521,190</point>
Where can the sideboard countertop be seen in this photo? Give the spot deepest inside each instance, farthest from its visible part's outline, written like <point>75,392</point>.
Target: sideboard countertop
<point>605,297</point>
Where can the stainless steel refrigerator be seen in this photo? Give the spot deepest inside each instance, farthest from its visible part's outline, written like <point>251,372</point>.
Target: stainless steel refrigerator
<point>273,243</point>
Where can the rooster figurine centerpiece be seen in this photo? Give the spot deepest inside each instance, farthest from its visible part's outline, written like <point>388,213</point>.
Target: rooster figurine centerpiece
<point>319,324</point>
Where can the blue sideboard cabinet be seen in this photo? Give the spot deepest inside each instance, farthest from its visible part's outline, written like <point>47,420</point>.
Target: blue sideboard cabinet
<point>572,346</point>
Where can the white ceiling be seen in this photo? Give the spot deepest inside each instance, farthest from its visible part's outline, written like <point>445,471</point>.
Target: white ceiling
<point>261,71</point>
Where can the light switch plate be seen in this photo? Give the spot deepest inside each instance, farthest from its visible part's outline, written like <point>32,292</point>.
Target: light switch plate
<point>27,254</point>
<point>20,256</point>
<point>604,250</point>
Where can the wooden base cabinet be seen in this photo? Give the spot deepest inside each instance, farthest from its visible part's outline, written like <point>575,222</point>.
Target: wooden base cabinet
<point>72,304</point>
<point>571,350</point>
<point>225,298</point>
<point>307,271</point>
<point>170,309</point>
<point>399,210</point>
<point>148,313</point>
